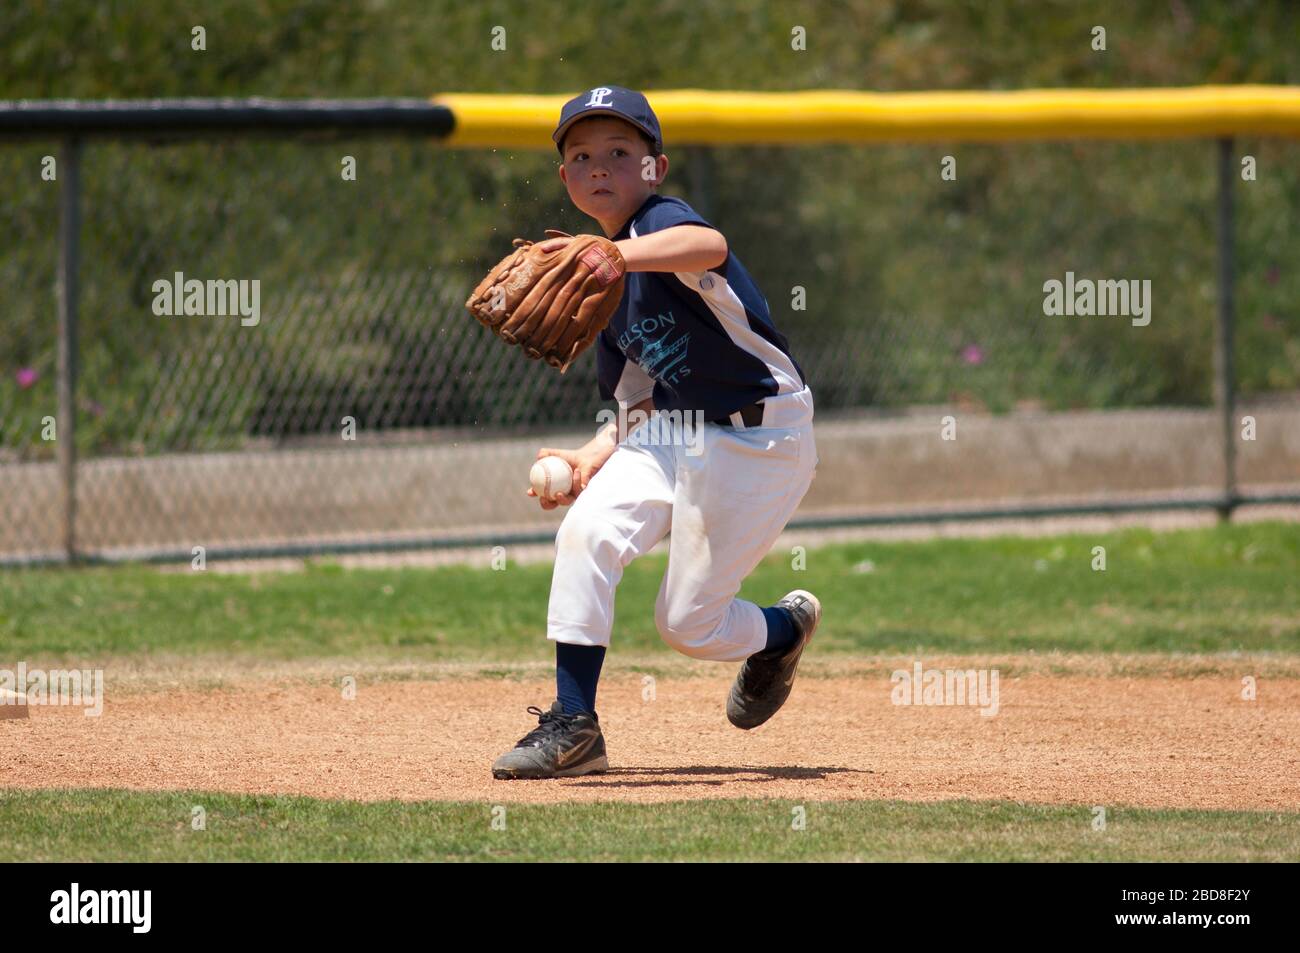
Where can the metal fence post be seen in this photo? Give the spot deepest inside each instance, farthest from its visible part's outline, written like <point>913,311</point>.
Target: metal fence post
<point>700,164</point>
<point>1224,378</point>
<point>69,254</point>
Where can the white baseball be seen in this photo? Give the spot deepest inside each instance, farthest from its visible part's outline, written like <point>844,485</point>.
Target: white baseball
<point>549,476</point>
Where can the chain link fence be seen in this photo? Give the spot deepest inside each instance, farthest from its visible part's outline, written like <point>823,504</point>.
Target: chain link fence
<point>362,408</point>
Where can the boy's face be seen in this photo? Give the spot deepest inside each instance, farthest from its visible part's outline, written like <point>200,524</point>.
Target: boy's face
<point>604,168</point>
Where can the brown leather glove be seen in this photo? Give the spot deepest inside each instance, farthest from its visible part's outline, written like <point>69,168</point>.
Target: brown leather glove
<point>552,304</point>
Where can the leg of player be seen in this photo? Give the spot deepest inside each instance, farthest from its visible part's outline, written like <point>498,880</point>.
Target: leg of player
<point>733,500</point>
<point>622,513</point>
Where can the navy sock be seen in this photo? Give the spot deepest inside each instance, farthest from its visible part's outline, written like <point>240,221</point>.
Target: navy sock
<point>781,632</point>
<point>577,670</point>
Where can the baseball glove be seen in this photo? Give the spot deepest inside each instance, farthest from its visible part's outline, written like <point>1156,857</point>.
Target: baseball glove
<point>553,303</point>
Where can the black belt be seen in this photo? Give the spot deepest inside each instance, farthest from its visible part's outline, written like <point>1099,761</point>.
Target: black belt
<point>751,416</point>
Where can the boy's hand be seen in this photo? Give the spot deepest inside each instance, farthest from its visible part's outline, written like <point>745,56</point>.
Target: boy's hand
<point>555,244</point>
<point>585,463</point>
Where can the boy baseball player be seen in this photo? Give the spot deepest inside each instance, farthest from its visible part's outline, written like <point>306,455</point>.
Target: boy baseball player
<point>723,459</point>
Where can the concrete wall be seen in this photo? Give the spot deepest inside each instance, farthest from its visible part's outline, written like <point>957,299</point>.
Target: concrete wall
<point>358,492</point>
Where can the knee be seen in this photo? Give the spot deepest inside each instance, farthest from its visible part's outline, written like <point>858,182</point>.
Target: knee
<point>580,534</point>
<point>685,630</point>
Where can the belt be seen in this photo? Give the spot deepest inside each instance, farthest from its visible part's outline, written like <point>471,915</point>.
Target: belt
<point>751,416</point>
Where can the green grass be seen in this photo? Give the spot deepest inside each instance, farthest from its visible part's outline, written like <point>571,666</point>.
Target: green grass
<point>1224,589</point>
<point>129,826</point>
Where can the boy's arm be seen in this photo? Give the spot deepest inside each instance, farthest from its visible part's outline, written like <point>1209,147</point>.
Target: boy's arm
<point>589,458</point>
<point>607,439</point>
<point>680,248</point>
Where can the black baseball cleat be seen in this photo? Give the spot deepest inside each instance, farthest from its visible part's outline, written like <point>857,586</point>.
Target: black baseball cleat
<point>561,746</point>
<point>764,681</point>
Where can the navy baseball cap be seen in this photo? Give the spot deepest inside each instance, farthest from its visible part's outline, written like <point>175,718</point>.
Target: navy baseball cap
<point>617,101</point>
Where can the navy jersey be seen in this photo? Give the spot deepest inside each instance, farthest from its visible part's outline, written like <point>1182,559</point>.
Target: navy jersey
<point>694,340</point>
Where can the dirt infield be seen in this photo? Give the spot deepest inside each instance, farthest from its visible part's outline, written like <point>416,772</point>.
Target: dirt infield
<point>1072,738</point>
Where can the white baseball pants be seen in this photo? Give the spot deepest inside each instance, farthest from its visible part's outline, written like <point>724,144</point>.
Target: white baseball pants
<point>725,501</point>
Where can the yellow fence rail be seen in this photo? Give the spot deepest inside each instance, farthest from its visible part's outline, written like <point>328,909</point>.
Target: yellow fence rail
<point>706,117</point>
